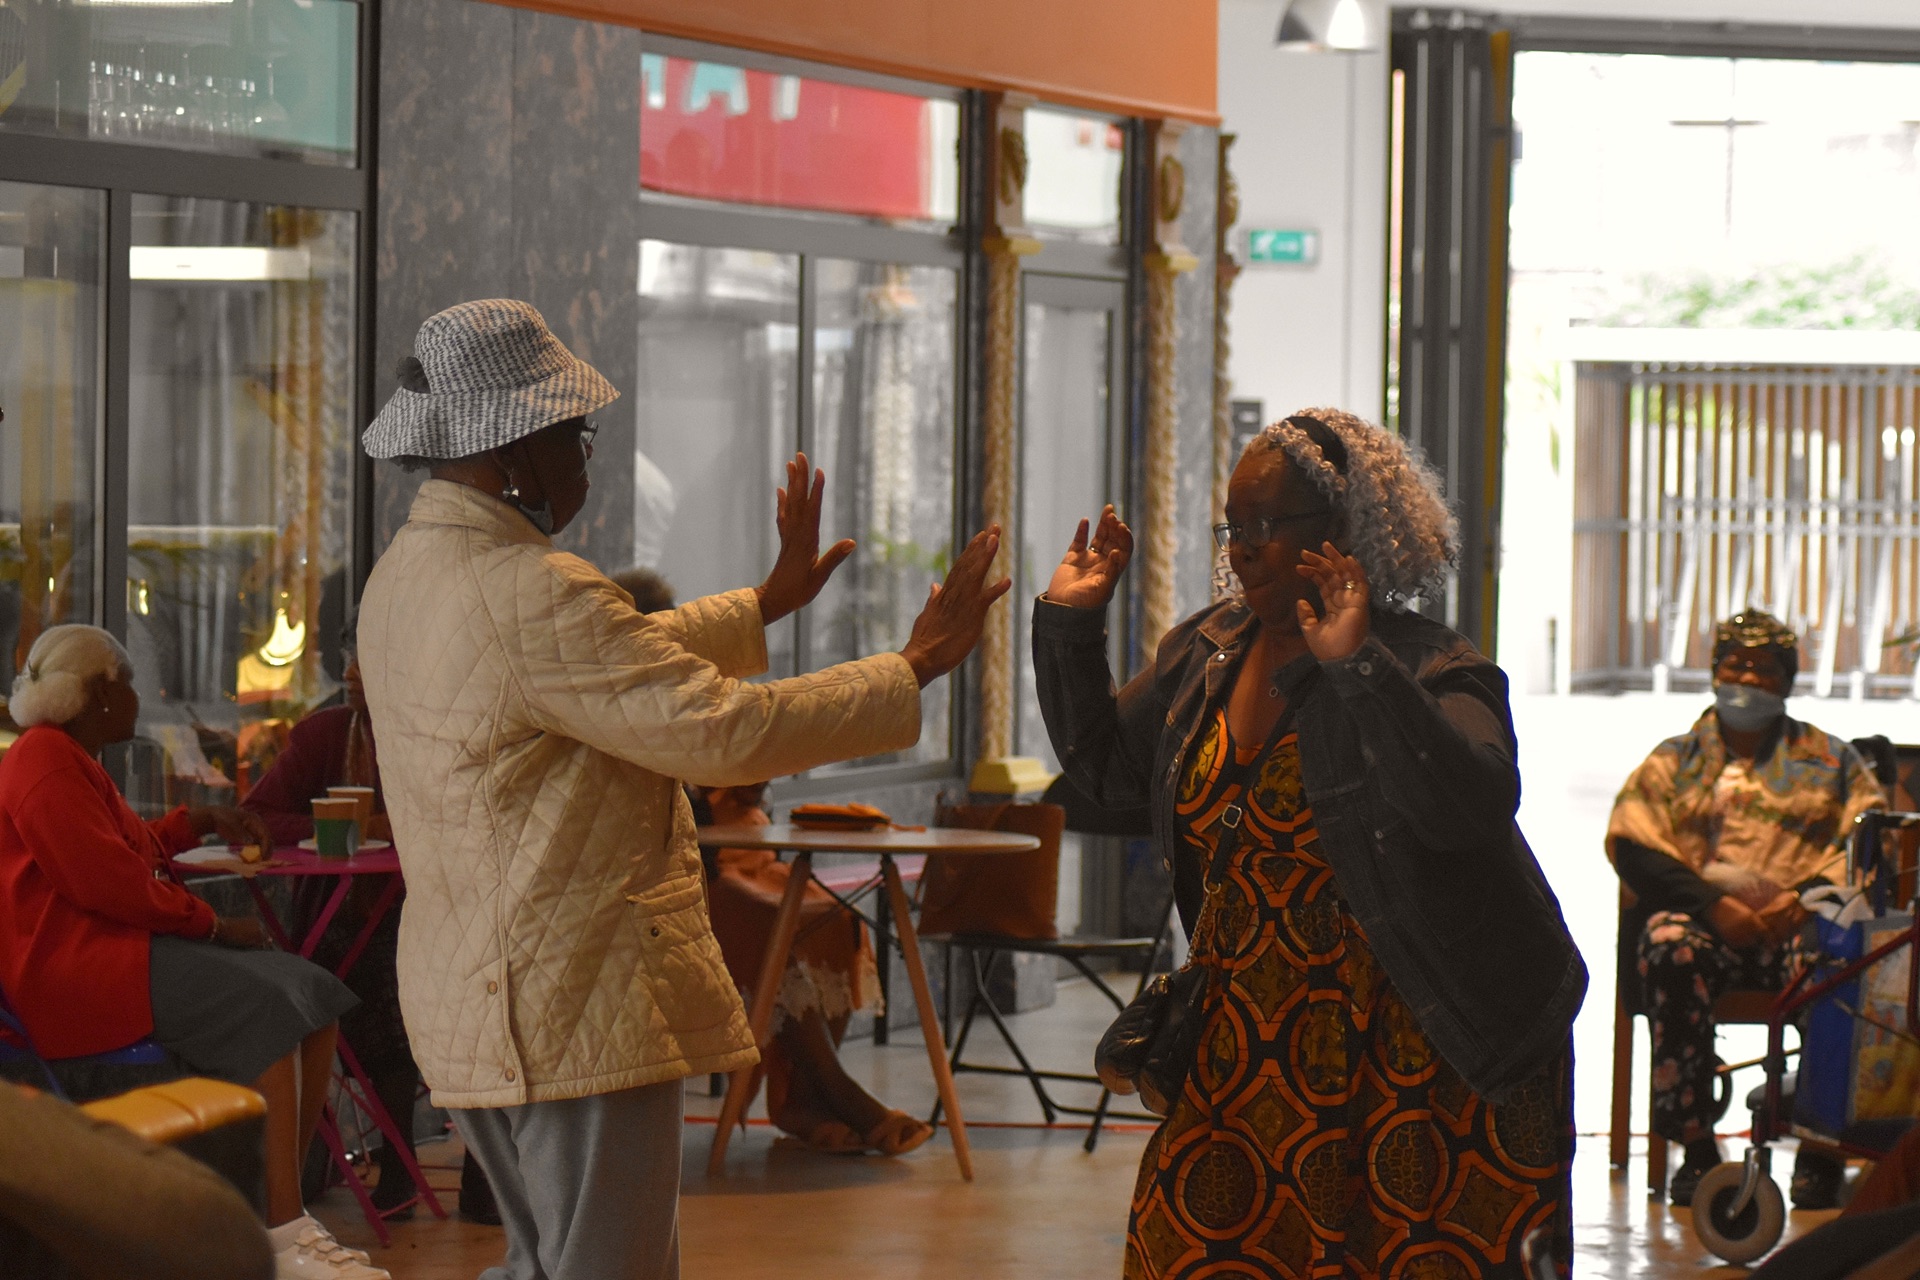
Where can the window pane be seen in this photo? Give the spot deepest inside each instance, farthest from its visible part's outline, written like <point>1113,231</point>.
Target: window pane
<point>1073,176</point>
<point>240,475</point>
<point>50,318</point>
<point>716,403</point>
<point>268,78</point>
<point>718,132</point>
<point>1063,471</point>
<point>883,431</point>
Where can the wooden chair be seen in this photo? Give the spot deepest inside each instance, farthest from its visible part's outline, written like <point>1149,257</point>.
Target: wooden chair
<point>1735,1008</point>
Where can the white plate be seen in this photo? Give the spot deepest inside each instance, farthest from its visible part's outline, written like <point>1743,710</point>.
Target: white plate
<point>204,854</point>
<point>366,846</point>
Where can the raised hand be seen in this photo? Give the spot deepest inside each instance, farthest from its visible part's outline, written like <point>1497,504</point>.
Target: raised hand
<point>1091,569</point>
<point>956,611</point>
<point>1341,628</point>
<point>800,571</point>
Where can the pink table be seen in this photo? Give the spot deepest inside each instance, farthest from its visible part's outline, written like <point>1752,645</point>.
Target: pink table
<point>384,863</point>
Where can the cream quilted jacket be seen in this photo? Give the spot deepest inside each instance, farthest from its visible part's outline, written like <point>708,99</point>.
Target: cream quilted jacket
<point>554,942</point>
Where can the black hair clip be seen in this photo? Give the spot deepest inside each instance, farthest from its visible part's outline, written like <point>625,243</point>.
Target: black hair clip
<point>1331,447</point>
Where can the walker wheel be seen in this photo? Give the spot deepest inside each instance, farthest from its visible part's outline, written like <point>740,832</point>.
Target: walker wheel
<point>1738,1239</point>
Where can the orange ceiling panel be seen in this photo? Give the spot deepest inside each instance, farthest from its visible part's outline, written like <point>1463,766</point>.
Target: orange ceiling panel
<point>1131,57</point>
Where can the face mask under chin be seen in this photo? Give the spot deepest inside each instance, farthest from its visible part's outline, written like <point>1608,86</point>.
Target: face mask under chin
<point>541,516</point>
<point>1746,708</point>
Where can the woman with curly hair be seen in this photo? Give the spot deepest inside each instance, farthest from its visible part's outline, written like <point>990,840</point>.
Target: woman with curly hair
<point>1383,1082</point>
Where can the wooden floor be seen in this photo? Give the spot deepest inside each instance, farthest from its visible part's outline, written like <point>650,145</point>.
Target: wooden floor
<point>1039,1205</point>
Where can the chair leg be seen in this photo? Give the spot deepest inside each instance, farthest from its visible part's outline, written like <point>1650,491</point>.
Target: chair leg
<point>1006,1034</point>
<point>1620,1125</point>
<point>1099,983</point>
<point>1656,1148</point>
<point>954,1057</point>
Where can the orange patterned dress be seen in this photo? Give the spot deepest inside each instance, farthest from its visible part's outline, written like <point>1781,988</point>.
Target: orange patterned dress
<point>1319,1134</point>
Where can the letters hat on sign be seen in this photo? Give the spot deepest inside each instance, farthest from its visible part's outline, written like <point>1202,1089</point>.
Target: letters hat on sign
<point>482,375</point>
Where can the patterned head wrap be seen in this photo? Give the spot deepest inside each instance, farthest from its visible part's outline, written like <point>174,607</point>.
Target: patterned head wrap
<point>1758,629</point>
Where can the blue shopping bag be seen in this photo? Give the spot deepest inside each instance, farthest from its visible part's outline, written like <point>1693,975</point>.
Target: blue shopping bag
<point>1859,1079</point>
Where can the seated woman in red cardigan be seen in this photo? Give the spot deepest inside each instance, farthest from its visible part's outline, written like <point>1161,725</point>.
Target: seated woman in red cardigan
<point>101,945</point>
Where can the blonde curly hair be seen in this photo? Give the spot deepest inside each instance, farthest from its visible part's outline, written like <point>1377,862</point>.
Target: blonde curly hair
<point>1386,497</point>
<point>52,687</point>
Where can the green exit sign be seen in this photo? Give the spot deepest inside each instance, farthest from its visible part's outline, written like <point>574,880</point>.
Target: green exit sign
<point>1291,248</point>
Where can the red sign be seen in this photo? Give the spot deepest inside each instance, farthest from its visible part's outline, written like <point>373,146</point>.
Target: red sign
<point>725,133</point>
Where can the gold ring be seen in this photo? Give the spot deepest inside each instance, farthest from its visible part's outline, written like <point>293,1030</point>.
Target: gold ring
<point>1351,585</point>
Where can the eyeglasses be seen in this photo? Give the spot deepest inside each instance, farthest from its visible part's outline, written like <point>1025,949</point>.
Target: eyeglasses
<point>1258,532</point>
<point>588,430</point>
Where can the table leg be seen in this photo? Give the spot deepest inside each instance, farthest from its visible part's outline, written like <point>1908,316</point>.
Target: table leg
<point>329,1133</point>
<point>389,1126</point>
<point>375,916</point>
<point>309,943</point>
<point>270,920</point>
<point>760,1018</point>
<point>929,1019</point>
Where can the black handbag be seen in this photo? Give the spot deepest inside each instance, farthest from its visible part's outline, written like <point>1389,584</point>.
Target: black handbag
<point>1152,1044</point>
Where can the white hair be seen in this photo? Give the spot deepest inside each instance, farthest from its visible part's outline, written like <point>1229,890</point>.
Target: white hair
<point>52,689</point>
<point>1388,498</point>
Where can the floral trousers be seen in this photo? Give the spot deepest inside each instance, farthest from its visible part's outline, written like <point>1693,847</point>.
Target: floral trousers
<point>1684,968</point>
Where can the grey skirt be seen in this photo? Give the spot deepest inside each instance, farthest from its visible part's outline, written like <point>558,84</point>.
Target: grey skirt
<point>232,1014</point>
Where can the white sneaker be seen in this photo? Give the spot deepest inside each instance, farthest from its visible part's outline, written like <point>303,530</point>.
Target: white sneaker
<point>305,1250</point>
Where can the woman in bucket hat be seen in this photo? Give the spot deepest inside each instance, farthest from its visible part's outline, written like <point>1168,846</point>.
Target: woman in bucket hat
<point>558,975</point>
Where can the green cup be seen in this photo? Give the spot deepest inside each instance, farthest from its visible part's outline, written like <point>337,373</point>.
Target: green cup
<point>336,837</point>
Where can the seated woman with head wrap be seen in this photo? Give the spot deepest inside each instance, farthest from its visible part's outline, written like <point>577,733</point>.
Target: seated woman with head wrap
<point>101,945</point>
<point>1714,835</point>
<point>829,978</point>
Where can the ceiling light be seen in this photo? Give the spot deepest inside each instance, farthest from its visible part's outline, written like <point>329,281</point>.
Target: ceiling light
<point>1339,26</point>
<point>223,262</point>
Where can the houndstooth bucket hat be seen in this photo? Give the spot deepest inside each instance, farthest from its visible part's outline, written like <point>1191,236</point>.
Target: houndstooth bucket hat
<point>483,374</point>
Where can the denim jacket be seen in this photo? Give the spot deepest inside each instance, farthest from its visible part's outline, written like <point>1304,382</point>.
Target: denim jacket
<point>1407,755</point>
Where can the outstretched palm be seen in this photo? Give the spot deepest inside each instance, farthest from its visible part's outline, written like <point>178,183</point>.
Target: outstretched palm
<point>1091,569</point>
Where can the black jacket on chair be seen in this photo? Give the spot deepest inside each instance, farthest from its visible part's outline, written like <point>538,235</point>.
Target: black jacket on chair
<point>1408,755</point>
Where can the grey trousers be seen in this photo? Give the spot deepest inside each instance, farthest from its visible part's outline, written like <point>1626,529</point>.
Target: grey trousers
<point>589,1188</point>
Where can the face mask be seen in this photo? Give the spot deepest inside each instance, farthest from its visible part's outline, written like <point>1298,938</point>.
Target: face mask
<point>541,516</point>
<point>1745,708</point>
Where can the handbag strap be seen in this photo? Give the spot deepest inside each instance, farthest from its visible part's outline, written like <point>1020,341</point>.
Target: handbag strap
<point>1233,817</point>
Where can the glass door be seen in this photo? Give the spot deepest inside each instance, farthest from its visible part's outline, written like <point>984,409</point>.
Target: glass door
<point>1071,451</point>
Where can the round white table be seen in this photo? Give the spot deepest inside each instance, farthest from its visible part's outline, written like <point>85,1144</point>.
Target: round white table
<point>888,842</point>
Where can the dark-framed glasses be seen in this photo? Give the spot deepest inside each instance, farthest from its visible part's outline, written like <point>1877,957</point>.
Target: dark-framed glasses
<point>1258,532</point>
<point>588,430</point>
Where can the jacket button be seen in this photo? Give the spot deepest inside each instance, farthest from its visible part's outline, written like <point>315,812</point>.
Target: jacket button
<point>1364,668</point>
<point>493,988</point>
<point>655,931</point>
<point>1379,835</point>
<point>509,1073</point>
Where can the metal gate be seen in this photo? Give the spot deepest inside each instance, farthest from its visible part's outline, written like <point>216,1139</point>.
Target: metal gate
<point>1703,488</point>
